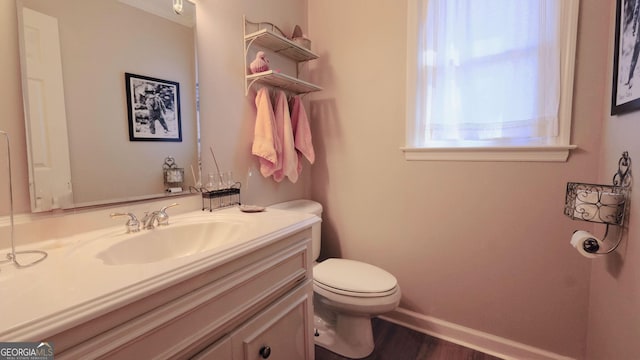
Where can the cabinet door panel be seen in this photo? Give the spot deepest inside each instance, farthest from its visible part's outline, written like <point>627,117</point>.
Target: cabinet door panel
<point>282,332</point>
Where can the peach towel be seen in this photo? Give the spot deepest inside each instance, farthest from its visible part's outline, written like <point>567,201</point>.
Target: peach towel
<point>265,137</point>
<point>301,132</point>
<point>288,158</point>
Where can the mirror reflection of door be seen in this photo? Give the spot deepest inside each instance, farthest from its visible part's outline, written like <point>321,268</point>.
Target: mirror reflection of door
<point>49,168</point>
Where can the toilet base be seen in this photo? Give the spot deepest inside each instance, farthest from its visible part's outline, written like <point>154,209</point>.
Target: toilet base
<point>346,335</point>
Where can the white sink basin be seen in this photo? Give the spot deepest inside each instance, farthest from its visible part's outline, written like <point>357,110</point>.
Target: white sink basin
<point>171,242</point>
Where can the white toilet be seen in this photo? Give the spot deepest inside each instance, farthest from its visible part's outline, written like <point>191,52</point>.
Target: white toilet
<point>347,293</point>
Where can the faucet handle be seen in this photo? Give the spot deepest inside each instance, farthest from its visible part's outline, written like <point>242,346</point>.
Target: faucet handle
<point>168,206</point>
<point>133,225</point>
<point>163,217</point>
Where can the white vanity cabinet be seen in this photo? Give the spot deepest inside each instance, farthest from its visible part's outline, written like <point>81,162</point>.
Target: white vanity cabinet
<point>257,304</point>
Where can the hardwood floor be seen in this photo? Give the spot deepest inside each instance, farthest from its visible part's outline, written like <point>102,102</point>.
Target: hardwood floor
<point>395,342</point>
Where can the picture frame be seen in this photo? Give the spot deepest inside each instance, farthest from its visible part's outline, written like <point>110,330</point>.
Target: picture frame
<point>625,95</point>
<point>153,108</point>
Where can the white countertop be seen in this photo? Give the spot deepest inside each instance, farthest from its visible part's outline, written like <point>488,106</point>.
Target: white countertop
<point>73,286</point>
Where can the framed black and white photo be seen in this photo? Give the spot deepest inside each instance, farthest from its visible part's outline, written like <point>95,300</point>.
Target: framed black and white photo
<point>626,75</point>
<point>153,107</point>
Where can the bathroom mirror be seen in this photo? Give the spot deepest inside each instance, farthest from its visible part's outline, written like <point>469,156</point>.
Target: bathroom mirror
<point>100,41</point>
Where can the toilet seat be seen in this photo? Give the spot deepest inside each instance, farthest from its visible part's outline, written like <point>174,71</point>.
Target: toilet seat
<point>353,278</point>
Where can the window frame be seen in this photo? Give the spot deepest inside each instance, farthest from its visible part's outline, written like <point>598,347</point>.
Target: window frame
<point>557,151</point>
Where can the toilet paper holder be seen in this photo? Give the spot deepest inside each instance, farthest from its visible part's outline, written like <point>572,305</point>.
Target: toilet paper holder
<point>599,203</point>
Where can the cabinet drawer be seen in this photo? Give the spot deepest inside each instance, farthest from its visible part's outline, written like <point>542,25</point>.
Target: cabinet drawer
<point>181,327</point>
<point>283,331</point>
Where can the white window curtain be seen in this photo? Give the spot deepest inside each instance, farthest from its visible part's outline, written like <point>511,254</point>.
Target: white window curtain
<point>488,72</point>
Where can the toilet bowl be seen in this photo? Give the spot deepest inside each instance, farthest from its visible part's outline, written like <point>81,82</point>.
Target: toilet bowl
<point>347,293</point>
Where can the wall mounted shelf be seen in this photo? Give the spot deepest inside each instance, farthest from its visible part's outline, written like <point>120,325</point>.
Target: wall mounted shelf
<point>283,81</point>
<point>279,44</point>
<point>269,37</point>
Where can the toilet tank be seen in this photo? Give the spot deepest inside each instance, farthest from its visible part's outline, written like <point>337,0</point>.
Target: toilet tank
<point>307,207</point>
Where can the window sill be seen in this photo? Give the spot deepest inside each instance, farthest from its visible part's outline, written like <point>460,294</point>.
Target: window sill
<point>555,153</point>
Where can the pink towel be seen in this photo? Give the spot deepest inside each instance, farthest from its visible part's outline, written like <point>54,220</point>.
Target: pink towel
<point>266,144</point>
<point>288,158</point>
<point>301,132</point>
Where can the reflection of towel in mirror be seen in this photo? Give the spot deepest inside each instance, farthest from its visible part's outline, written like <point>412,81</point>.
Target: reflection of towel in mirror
<point>288,159</point>
<point>265,138</point>
<point>301,132</point>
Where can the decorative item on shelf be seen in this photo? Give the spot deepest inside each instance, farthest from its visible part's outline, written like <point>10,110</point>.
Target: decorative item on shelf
<point>260,64</point>
<point>598,203</point>
<point>173,175</point>
<point>299,38</point>
<point>297,32</point>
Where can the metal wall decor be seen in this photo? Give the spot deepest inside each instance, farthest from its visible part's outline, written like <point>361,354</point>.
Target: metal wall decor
<point>599,203</point>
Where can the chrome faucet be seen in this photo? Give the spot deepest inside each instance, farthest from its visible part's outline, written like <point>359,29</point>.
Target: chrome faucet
<point>160,217</point>
<point>133,225</point>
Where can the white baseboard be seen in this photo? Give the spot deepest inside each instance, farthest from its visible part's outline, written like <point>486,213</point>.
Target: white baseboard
<point>474,339</point>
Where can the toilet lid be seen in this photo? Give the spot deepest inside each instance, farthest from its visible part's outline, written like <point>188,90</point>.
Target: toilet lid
<point>353,276</point>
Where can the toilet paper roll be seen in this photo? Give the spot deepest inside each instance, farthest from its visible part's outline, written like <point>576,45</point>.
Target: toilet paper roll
<point>578,240</point>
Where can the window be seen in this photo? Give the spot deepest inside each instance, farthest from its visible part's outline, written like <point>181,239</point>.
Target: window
<point>490,79</point>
